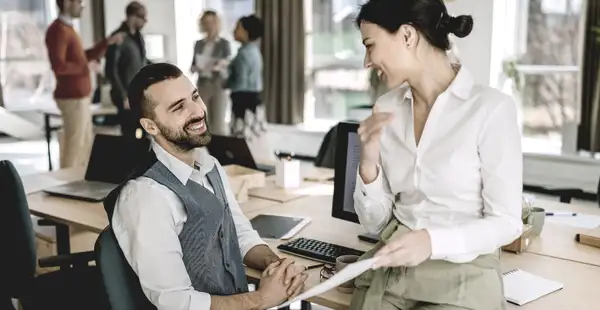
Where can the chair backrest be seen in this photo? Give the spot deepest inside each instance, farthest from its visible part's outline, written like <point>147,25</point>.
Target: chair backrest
<point>326,155</point>
<point>120,281</point>
<point>18,259</point>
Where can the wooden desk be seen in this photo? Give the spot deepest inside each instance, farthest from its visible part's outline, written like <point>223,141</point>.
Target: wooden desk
<point>34,183</point>
<point>579,279</point>
<point>559,240</point>
<point>97,110</point>
<point>272,192</point>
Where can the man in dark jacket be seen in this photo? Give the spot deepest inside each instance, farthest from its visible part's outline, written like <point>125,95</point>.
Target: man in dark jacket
<point>124,61</point>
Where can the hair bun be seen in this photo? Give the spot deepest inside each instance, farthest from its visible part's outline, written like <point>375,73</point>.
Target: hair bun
<point>461,25</point>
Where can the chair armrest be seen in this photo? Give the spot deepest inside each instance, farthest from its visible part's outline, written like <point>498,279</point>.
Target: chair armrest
<point>45,222</point>
<point>74,259</point>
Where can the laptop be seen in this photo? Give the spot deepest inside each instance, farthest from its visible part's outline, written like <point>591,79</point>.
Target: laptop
<point>235,151</point>
<point>112,159</point>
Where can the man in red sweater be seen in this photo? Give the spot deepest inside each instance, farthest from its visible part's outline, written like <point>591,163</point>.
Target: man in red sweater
<point>72,66</point>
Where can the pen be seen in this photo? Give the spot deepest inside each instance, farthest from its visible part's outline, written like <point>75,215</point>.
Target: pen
<point>314,266</point>
<point>561,214</point>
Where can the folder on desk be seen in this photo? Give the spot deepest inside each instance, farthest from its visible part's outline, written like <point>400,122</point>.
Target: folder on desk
<point>521,287</point>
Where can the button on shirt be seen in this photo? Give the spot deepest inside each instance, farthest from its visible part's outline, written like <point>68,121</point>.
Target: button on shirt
<point>147,220</point>
<point>462,183</point>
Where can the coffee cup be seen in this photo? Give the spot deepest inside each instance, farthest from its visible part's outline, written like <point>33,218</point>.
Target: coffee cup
<point>340,263</point>
<point>536,219</point>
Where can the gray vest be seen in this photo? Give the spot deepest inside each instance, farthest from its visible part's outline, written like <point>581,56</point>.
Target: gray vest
<point>211,252</point>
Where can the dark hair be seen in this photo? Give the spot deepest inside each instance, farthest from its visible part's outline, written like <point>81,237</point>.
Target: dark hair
<point>253,25</point>
<point>60,4</point>
<point>146,77</point>
<point>133,8</point>
<point>430,17</point>
<point>208,13</point>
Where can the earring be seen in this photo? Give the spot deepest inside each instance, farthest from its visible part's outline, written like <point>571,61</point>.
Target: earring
<point>407,45</point>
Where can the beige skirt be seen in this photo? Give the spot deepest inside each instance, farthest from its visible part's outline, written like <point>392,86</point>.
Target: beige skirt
<point>432,285</point>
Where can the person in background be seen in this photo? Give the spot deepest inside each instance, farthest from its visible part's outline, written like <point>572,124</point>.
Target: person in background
<point>211,57</point>
<point>441,167</point>
<point>124,61</point>
<point>248,119</point>
<point>72,66</point>
<point>177,220</point>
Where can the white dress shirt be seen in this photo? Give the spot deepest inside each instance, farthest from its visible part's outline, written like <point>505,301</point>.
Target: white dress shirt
<point>147,220</point>
<point>462,183</point>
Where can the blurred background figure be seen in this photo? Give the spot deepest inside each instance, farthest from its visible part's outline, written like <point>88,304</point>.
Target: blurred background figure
<point>72,66</point>
<point>211,58</point>
<point>246,84</point>
<point>124,61</point>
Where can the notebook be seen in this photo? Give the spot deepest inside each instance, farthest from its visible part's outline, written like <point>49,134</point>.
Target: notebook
<point>521,287</point>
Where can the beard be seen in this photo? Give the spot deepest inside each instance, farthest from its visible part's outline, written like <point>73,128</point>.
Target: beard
<point>182,139</point>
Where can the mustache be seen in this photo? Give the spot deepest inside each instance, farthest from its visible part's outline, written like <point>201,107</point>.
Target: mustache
<point>193,120</point>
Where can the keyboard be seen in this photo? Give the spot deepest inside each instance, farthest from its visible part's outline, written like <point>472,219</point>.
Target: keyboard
<point>317,250</point>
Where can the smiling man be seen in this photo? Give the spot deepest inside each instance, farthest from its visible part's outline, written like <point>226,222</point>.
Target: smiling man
<point>177,222</point>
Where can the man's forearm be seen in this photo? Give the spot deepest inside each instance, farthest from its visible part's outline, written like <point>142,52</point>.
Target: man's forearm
<point>260,256</point>
<point>246,301</point>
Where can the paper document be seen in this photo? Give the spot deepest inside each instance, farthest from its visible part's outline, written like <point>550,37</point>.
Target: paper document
<point>350,272</point>
<point>36,183</point>
<point>580,221</point>
<point>202,62</point>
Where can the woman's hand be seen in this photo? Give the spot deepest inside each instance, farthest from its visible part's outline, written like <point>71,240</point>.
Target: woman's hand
<point>370,136</point>
<point>409,250</point>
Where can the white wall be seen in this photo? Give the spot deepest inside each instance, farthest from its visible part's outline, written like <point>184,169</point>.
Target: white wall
<point>475,50</point>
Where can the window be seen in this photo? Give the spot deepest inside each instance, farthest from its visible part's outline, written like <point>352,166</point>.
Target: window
<point>540,66</point>
<point>337,82</point>
<point>25,72</point>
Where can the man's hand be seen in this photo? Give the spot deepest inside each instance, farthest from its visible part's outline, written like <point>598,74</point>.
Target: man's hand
<point>272,287</point>
<point>295,276</point>
<point>117,38</point>
<point>410,250</point>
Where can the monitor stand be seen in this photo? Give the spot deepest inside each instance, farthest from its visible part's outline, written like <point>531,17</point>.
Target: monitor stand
<point>371,238</point>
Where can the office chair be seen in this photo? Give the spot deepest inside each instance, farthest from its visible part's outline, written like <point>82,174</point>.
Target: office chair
<point>326,155</point>
<point>74,286</point>
<point>120,281</point>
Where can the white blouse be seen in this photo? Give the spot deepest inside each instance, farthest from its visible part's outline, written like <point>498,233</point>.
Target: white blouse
<point>462,183</point>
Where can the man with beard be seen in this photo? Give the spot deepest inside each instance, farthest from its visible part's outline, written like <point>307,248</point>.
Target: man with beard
<point>124,61</point>
<point>177,221</point>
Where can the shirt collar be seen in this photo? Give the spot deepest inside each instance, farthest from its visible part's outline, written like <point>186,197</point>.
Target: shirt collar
<point>181,170</point>
<point>461,85</point>
<point>66,19</point>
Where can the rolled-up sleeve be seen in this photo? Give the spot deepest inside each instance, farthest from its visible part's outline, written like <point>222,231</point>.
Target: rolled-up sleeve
<point>501,159</point>
<point>247,236</point>
<point>145,229</point>
<point>373,202</point>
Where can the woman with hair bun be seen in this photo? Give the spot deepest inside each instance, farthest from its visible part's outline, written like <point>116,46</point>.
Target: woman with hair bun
<point>440,173</point>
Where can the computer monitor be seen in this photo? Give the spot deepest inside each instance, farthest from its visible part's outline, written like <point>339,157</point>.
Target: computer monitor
<point>347,158</point>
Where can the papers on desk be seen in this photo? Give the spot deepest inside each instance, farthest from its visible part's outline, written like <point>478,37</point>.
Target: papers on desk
<point>36,183</point>
<point>581,220</point>
<point>350,272</point>
<point>521,287</point>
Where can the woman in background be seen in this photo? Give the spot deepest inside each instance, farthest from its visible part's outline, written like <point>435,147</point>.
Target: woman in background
<point>246,84</point>
<point>440,173</point>
<point>211,56</point>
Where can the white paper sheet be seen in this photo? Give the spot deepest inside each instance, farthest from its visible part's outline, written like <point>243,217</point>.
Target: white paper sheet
<point>202,62</point>
<point>350,272</point>
<point>579,221</point>
<point>36,183</point>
